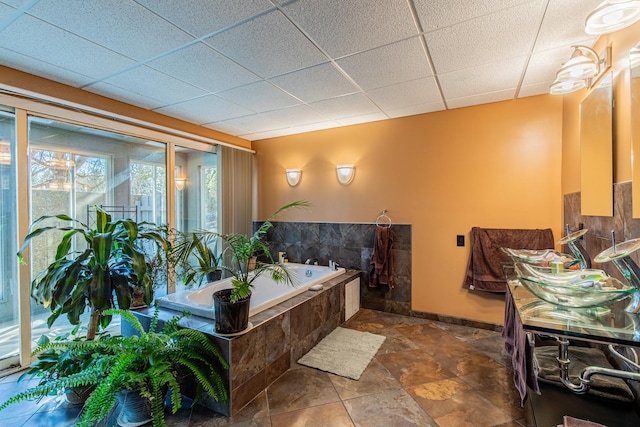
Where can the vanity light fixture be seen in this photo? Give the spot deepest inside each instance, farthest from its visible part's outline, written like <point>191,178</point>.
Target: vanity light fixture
<point>180,183</point>
<point>612,15</point>
<point>562,88</point>
<point>345,173</point>
<point>582,70</point>
<point>293,176</point>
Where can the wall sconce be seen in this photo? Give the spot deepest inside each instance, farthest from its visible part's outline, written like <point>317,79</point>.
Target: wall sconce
<point>582,70</point>
<point>612,15</point>
<point>180,183</point>
<point>345,173</point>
<point>293,176</point>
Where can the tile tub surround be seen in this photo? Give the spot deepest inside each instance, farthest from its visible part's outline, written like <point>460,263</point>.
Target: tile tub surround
<point>351,246</point>
<point>278,338</point>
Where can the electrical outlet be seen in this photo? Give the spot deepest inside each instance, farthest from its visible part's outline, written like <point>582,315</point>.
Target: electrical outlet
<point>459,240</point>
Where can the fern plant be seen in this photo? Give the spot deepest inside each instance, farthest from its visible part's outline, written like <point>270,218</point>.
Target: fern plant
<point>151,363</point>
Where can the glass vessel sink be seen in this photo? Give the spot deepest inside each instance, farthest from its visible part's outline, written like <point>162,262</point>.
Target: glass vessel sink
<point>574,288</point>
<point>541,257</point>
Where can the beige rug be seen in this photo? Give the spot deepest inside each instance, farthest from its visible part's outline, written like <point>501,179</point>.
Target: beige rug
<point>344,352</point>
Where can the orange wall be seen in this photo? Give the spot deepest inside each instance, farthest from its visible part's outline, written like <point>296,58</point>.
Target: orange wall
<point>621,42</point>
<point>495,165</point>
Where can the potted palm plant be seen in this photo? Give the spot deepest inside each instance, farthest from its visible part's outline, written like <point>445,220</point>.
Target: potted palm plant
<point>149,366</point>
<point>110,269</point>
<point>196,255</point>
<point>250,258</point>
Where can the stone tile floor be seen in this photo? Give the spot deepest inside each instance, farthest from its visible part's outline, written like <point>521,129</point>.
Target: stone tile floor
<point>426,373</point>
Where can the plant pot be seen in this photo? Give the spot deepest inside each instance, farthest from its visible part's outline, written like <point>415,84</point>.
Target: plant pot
<point>230,317</point>
<point>78,395</point>
<point>214,276</point>
<point>135,409</point>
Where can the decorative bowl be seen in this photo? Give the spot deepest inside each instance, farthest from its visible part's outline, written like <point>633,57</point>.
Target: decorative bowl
<point>541,257</point>
<point>574,288</point>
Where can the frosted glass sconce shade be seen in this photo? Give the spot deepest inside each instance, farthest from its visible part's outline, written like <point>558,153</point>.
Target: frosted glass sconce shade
<point>345,173</point>
<point>293,176</point>
<point>180,183</point>
<point>612,15</point>
<point>562,88</point>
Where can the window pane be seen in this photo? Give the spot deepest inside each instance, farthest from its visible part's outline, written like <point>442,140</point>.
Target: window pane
<point>9,304</point>
<point>73,169</point>
<point>197,200</point>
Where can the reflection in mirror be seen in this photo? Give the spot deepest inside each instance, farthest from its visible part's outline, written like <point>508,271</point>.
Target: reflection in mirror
<point>596,150</point>
<point>634,84</point>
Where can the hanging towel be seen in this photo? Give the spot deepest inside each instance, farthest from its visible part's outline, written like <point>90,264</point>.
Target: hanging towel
<point>382,258</point>
<point>517,345</point>
<point>484,272</point>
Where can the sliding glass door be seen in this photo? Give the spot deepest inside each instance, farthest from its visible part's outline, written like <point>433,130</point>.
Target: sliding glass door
<point>53,166</point>
<point>74,169</point>
<point>9,285</point>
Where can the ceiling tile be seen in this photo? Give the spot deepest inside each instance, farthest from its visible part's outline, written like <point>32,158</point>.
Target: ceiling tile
<point>406,94</point>
<point>206,109</point>
<point>270,134</point>
<point>203,17</point>
<point>483,98</point>
<point>298,115</point>
<point>315,83</point>
<point>543,66</point>
<point>436,14</point>
<point>154,84</point>
<point>341,107</point>
<point>114,24</point>
<point>412,110</point>
<point>260,96</point>
<point>268,45</point>
<point>535,89</point>
<point>490,38</point>
<point>16,3</point>
<point>344,27</point>
<point>43,69</point>
<point>6,12</point>
<point>226,128</point>
<point>365,118</point>
<point>114,92</point>
<point>556,30</point>
<point>36,39</point>
<point>317,126</point>
<point>203,67</point>
<point>504,74</point>
<point>255,123</point>
<point>395,63</point>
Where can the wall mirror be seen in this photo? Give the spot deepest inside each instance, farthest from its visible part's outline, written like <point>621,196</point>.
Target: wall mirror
<point>634,85</point>
<point>596,150</point>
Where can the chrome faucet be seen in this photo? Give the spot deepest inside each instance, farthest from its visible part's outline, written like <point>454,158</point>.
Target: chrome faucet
<point>333,265</point>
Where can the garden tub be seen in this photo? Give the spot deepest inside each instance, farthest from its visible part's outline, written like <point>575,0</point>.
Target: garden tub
<point>265,293</point>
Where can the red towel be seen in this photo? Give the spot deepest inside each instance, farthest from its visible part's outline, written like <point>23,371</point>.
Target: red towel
<point>382,258</point>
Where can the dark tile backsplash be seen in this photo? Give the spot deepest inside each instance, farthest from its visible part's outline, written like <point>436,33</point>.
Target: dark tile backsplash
<point>598,238</point>
<point>351,246</point>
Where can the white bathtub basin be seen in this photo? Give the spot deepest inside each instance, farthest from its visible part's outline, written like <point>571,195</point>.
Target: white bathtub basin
<point>265,294</point>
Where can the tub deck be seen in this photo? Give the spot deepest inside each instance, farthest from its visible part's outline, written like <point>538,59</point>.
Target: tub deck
<point>279,336</point>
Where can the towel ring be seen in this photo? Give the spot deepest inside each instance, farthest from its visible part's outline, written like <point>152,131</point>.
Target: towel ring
<point>383,219</point>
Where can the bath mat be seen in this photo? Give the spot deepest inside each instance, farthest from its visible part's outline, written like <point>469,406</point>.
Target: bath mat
<point>344,352</point>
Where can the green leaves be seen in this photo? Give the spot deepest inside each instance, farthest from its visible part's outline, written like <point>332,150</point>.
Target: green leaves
<point>100,276</point>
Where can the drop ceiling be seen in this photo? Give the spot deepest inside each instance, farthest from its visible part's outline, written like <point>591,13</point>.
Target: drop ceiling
<point>259,68</point>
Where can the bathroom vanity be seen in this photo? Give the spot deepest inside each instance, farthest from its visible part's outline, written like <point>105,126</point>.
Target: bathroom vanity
<point>600,325</point>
